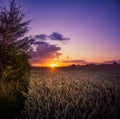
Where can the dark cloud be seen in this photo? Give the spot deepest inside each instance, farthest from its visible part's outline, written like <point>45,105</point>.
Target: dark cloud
<point>42,51</point>
<point>41,37</point>
<point>58,36</point>
<point>54,36</point>
<point>41,43</point>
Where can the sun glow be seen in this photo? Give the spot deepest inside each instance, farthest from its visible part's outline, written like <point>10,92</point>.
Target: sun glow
<point>53,65</point>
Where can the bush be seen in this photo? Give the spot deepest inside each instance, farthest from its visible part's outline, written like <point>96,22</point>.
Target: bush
<point>14,80</point>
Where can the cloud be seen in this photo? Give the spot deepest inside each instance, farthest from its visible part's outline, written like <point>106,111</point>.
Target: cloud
<point>40,43</point>
<point>75,61</point>
<point>57,36</point>
<point>54,36</point>
<point>41,37</point>
<point>42,51</point>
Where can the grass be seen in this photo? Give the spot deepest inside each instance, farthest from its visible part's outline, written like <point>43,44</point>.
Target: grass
<point>72,93</point>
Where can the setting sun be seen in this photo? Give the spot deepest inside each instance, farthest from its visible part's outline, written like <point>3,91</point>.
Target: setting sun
<point>53,65</point>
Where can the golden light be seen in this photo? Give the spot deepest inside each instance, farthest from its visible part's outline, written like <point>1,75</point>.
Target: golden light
<point>53,65</point>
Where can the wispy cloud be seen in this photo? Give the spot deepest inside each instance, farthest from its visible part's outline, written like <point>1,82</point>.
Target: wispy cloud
<point>75,61</point>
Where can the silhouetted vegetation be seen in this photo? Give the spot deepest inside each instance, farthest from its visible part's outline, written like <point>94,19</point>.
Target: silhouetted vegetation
<point>14,66</point>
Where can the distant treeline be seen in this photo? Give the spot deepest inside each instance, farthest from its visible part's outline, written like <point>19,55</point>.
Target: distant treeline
<point>112,67</point>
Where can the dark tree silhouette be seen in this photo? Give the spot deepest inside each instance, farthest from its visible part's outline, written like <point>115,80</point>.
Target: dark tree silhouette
<point>13,43</point>
<point>14,66</point>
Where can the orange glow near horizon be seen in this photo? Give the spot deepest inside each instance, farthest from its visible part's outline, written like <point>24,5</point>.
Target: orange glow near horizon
<point>53,65</point>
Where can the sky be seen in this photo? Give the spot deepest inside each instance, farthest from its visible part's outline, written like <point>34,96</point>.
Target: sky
<point>73,31</point>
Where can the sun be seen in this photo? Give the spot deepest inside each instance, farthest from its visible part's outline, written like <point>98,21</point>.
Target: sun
<point>53,65</point>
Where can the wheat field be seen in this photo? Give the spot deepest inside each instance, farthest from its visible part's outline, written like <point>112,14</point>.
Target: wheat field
<point>72,93</point>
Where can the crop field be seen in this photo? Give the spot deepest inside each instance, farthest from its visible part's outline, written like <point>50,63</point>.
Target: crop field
<point>72,93</point>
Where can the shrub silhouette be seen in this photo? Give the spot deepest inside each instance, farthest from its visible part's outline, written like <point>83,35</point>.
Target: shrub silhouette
<point>14,66</point>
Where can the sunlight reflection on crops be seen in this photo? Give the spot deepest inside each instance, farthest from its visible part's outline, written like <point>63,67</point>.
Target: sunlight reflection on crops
<point>73,93</point>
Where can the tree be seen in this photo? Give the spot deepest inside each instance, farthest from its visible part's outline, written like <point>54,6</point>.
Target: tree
<point>14,45</point>
<point>12,35</point>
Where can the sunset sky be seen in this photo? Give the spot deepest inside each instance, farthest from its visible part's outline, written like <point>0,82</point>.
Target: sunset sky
<point>73,31</point>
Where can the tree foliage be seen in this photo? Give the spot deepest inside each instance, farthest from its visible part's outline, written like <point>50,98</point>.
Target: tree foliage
<point>14,66</point>
<point>13,43</point>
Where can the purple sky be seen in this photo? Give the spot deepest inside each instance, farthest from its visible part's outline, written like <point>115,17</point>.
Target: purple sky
<point>92,27</point>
